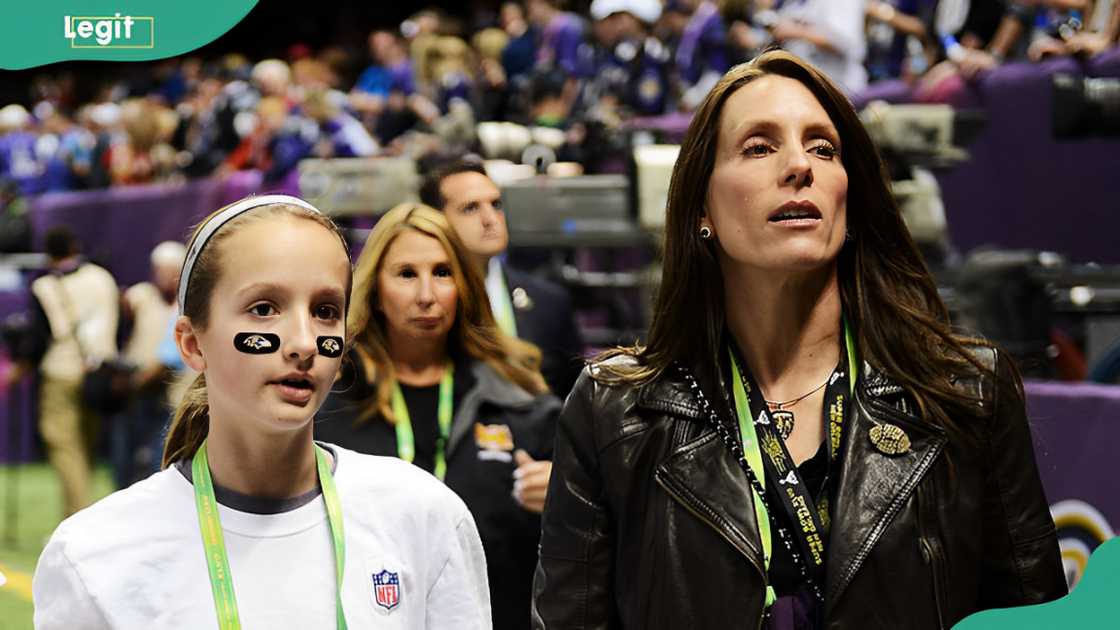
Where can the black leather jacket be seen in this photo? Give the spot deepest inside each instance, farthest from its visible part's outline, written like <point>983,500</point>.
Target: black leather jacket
<point>650,523</point>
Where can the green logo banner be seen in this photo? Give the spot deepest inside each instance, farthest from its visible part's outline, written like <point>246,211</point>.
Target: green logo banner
<point>48,31</point>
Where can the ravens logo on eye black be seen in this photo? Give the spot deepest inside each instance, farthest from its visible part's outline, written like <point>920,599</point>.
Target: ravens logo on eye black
<point>257,342</point>
<point>330,346</point>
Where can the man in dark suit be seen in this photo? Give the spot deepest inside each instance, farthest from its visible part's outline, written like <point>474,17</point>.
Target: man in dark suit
<point>524,305</point>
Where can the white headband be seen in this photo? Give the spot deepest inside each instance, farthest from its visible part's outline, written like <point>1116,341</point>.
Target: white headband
<point>216,223</point>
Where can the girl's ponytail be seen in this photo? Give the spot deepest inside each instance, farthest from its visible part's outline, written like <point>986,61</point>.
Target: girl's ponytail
<point>190,424</point>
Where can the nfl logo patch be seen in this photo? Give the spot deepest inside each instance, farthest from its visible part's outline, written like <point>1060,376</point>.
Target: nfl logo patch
<point>387,589</point>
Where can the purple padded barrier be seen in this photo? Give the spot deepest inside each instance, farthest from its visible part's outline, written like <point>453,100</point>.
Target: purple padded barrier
<point>17,442</point>
<point>1076,429</point>
<point>673,125</point>
<point>1106,64</point>
<point>892,91</point>
<point>12,302</point>
<point>1024,189</point>
<point>120,226</point>
<point>14,448</point>
<point>243,183</point>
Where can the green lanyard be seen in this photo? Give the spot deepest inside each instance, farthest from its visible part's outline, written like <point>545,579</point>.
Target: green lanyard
<point>752,452</point>
<point>406,443</point>
<point>221,580</point>
<point>504,308</point>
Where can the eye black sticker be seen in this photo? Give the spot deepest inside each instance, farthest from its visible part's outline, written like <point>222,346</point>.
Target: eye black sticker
<point>330,346</point>
<point>256,343</point>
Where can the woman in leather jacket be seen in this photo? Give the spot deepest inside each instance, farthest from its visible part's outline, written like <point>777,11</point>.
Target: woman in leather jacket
<point>803,442</point>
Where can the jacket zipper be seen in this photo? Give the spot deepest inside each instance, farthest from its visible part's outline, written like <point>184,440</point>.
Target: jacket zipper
<point>892,509</point>
<point>665,485</point>
<point>931,553</point>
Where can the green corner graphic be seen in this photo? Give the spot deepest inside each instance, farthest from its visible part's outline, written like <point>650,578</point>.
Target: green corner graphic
<point>1093,604</point>
<point>49,31</point>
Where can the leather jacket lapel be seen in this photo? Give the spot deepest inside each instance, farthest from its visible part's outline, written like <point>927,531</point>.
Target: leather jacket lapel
<point>702,477</point>
<point>699,473</point>
<point>873,487</point>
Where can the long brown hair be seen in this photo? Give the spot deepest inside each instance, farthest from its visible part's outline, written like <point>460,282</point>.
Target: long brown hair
<point>474,333</point>
<point>191,422</point>
<point>888,295</point>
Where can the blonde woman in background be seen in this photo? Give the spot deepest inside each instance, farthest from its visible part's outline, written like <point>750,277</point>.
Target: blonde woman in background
<point>435,382</point>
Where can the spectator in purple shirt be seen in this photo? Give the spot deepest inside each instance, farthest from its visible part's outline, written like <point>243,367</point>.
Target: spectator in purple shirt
<point>385,95</point>
<point>339,133</point>
<point>66,151</point>
<point>897,32</point>
<point>18,159</point>
<point>701,57</point>
<point>561,35</point>
<point>521,51</point>
<point>390,73</point>
<point>391,69</point>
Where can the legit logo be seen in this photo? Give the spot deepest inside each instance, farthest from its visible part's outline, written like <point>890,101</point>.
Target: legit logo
<point>114,31</point>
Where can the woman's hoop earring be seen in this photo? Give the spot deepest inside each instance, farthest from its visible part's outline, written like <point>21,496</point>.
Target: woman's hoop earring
<point>705,232</point>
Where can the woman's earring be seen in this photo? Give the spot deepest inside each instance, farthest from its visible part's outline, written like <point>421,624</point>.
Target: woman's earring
<point>705,232</point>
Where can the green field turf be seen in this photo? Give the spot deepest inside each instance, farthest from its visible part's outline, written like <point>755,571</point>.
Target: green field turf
<point>40,509</point>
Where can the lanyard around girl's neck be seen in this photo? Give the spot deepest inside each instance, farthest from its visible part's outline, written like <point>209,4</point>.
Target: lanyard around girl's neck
<point>213,542</point>
<point>406,443</point>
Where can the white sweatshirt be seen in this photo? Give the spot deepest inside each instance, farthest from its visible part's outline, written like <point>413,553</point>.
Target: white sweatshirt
<point>135,559</point>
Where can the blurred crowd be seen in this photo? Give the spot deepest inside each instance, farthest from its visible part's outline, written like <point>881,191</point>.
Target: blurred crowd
<point>421,88</point>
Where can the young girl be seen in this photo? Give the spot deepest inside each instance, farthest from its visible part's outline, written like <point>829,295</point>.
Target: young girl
<point>251,522</point>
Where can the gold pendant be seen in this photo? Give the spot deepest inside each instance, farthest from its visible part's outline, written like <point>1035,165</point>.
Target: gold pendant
<point>783,421</point>
<point>890,439</point>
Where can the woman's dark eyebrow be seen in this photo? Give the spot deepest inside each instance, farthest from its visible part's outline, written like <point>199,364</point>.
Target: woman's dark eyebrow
<point>771,127</point>
<point>829,132</point>
<point>754,127</point>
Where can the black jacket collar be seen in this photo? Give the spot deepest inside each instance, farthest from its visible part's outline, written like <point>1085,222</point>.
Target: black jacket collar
<point>872,487</point>
<point>671,393</point>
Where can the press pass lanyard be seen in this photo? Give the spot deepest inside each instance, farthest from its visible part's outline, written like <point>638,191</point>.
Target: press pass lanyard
<point>213,542</point>
<point>752,452</point>
<point>406,443</point>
